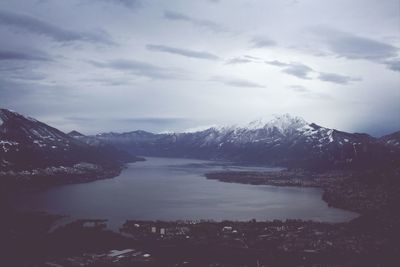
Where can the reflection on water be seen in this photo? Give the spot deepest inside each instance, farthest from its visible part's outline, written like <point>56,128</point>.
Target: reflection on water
<point>173,189</point>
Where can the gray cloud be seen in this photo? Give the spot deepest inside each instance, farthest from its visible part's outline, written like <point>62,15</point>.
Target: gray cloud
<point>202,23</point>
<point>28,76</point>
<point>243,60</point>
<point>13,55</point>
<point>277,63</point>
<point>236,82</point>
<point>251,57</point>
<point>261,42</point>
<point>138,68</point>
<point>23,64</point>
<point>351,46</point>
<point>34,25</point>
<point>299,70</point>
<point>303,71</point>
<point>107,81</point>
<point>393,64</point>
<point>306,93</point>
<point>336,78</point>
<point>182,52</point>
<point>238,60</point>
<point>132,4</point>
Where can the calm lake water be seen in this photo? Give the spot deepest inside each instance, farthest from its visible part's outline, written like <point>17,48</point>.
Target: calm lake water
<point>173,189</point>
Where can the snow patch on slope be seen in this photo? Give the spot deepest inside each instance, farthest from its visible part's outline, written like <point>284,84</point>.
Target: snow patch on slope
<point>7,145</point>
<point>330,136</point>
<point>197,129</point>
<point>256,124</point>
<point>283,123</point>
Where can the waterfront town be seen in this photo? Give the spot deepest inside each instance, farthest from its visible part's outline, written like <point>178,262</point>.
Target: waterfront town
<point>365,241</point>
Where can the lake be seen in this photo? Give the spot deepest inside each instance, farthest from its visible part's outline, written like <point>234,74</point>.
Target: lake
<point>174,189</point>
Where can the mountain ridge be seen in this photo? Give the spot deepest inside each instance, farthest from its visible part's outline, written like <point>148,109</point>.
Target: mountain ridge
<point>32,149</point>
<point>284,140</point>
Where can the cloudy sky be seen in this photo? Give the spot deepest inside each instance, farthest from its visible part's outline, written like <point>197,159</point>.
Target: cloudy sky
<point>158,65</point>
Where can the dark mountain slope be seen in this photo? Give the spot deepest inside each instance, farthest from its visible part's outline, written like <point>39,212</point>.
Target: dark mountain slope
<point>31,148</point>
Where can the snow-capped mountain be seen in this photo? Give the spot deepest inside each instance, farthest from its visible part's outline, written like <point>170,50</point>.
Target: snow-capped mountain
<point>284,140</point>
<point>27,144</point>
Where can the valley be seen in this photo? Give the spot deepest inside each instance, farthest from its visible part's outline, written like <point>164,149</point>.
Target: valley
<point>284,191</point>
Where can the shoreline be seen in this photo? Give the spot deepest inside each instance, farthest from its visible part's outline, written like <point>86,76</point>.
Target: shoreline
<point>363,240</point>
<point>299,178</point>
<point>334,184</point>
<point>341,189</point>
<point>37,179</point>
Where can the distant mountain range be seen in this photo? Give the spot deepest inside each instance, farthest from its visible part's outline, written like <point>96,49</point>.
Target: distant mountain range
<point>284,141</point>
<point>29,146</point>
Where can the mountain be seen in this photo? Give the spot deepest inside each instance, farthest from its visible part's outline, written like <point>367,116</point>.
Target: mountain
<point>31,148</point>
<point>75,134</point>
<point>28,146</point>
<point>285,140</point>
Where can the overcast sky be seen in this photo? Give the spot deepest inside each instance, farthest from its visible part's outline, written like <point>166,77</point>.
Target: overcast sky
<point>158,65</point>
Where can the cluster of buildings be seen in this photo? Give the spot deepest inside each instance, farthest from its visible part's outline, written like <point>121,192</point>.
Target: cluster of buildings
<point>292,236</point>
<point>293,242</point>
<point>154,230</point>
<point>114,257</point>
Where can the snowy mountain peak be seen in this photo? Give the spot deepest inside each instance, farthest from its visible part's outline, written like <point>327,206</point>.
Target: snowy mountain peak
<point>225,129</point>
<point>283,123</point>
<point>256,124</point>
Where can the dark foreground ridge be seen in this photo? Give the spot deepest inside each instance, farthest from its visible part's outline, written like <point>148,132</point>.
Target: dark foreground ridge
<point>366,241</point>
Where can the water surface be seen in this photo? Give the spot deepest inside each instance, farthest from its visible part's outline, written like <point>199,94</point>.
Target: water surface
<point>174,189</point>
